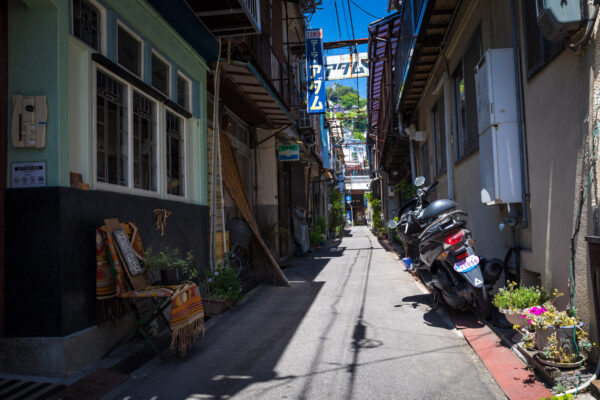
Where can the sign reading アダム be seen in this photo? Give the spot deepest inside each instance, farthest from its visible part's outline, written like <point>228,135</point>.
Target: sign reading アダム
<point>315,68</point>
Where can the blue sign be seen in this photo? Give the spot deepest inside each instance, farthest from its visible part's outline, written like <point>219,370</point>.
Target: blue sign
<point>315,69</point>
<point>348,199</point>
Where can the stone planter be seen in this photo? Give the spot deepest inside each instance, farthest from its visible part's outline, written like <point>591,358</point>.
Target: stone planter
<point>514,317</point>
<point>564,334</point>
<point>216,306</point>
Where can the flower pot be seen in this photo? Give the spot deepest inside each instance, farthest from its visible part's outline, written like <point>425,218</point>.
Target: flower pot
<point>170,276</point>
<point>216,306</point>
<point>515,317</point>
<point>564,334</point>
<point>562,365</point>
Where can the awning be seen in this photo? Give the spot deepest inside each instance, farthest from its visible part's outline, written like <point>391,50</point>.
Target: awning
<point>256,90</point>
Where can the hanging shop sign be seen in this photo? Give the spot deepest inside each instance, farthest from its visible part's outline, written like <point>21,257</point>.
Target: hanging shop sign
<point>315,68</point>
<point>346,66</point>
<point>289,152</point>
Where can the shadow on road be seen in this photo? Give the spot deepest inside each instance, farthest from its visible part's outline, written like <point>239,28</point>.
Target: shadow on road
<point>430,316</point>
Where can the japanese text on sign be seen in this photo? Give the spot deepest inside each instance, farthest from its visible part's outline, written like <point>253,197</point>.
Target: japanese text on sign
<point>315,80</point>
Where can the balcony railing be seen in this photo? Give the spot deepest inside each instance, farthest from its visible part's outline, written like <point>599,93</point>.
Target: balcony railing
<point>424,24</point>
<point>229,17</point>
<point>280,75</point>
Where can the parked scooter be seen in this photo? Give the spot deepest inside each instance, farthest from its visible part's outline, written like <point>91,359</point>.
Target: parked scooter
<point>441,249</point>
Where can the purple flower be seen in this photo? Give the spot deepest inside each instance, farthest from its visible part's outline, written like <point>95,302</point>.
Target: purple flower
<point>537,310</point>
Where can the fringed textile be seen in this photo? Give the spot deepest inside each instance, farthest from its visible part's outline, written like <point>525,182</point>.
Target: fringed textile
<point>187,313</point>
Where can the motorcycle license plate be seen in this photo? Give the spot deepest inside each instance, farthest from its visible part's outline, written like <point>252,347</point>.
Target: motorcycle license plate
<point>467,264</point>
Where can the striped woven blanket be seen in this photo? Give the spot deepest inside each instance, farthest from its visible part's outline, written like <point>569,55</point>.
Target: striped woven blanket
<point>186,317</point>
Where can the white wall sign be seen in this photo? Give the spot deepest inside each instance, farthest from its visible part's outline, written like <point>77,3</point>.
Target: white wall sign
<point>26,175</point>
<point>346,66</point>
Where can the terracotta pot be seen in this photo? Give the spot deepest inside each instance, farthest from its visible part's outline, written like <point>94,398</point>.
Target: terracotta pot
<point>216,306</point>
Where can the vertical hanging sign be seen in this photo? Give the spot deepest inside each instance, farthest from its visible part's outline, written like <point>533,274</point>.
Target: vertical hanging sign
<point>315,69</point>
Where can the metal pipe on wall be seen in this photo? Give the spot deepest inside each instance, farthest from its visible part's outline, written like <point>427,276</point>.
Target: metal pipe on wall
<point>448,126</point>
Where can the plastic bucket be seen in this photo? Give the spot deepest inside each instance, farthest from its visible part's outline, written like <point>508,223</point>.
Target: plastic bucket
<point>239,232</point>
<point>407,263</point>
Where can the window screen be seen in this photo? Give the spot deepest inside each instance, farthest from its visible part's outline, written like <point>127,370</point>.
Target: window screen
<point>160,74</point>
<point>175,155</point>
<point>86,23</point>
<point>129,51</point>
<point>111,131</point>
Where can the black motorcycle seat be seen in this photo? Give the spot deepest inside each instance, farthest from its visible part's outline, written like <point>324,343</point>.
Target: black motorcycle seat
<point>437,208</point>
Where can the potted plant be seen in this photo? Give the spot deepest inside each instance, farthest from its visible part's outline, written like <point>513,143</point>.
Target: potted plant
<point>554,327</point>
<point>222,289</point>
<point>172,264</point>
<point>566,347</point>
<point>513,300</point>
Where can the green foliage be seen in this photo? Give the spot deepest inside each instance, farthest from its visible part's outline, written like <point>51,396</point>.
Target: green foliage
<point>170,258</point>
<point>337,218</point>
<point>406,188</point>
<point>347,96</point>
<point>222,283</point>
<point>560,388</point>
<point>317,230</point>
<point>271,232</point>
<point>375,205</point>
<point>519,298</point>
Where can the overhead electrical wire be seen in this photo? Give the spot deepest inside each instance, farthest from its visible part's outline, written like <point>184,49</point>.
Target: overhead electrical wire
<point>351,23</point>
<point>338,18</point>
<point>363,10</point>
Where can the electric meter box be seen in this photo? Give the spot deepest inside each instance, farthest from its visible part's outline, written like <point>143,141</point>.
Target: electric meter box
<point>500,167</point>
<point>557,18</point>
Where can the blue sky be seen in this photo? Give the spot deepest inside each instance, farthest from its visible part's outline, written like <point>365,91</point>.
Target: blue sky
<point>325,18</point>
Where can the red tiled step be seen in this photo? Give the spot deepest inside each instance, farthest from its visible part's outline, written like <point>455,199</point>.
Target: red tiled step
<point>510,373</point>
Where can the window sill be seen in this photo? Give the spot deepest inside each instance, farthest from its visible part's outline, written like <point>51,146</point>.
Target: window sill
<point>108,187</point>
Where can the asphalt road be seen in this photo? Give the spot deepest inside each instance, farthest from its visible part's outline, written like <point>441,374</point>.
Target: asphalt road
<point>352,325</point>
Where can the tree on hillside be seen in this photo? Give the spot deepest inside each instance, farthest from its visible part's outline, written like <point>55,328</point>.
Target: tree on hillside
<point>345,95</point>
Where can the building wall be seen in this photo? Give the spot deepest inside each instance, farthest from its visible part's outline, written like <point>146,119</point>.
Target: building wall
<point>494,21</point>
<point>558,108</point>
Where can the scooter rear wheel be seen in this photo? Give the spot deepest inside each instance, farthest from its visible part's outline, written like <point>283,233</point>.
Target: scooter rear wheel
<point>482,303</point>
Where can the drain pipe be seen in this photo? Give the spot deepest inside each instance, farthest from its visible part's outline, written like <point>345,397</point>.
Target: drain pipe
<point>524,192</point>
<point>413,168</point>
<point>448,126</point>
<point>521,135</point>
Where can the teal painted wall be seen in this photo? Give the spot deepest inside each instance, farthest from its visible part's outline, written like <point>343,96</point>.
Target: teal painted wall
<point>41,51</point>
<point>38,65</point>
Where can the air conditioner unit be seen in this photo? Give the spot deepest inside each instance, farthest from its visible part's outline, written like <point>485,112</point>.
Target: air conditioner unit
<point>558,18</point>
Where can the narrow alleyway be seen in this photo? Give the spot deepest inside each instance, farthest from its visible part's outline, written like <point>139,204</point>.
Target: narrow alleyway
<point>353,325</point>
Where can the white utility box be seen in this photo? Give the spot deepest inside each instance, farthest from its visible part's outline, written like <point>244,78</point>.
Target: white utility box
<point>498,128</point>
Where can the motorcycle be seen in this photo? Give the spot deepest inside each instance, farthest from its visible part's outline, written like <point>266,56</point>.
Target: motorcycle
<point>442,251</point>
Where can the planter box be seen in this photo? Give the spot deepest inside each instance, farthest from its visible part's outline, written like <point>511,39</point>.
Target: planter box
<point>215,306</point>
<point>170,276</point>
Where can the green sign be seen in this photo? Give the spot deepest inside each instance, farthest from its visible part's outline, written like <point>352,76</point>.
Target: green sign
<point>289,152</point>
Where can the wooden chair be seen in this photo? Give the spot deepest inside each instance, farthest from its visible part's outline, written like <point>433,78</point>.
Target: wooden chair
<point>124,251</point>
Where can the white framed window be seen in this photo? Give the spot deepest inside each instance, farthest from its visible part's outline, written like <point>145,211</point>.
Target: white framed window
<point>130,49</point>
<point>139,143</point>
<point>175,149</point>
<point>184,90</point>
<point>88,23</point>
<point>161,74</point>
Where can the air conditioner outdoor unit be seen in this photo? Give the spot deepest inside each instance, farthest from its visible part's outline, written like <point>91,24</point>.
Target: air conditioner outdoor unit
<point>558,18</point>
